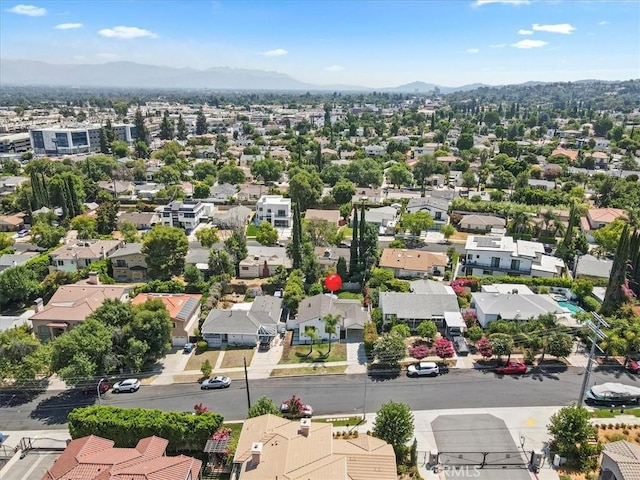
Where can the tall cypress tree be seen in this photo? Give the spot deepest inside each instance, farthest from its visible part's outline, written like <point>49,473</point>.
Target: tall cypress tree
<point>201,123</point>
<point>296,240</point>
<point>142,132</point>
<point>104,145</point>
<point>319,158</point>
<point>615,295</point>
<point>634,263</point>
<point>362,254</point>
<point>354,261</point>
<point>182,129</point>
<point>166,127</point>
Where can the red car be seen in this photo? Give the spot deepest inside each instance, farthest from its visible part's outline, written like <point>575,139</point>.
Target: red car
<point>633,366</point>
<point>511,368</point>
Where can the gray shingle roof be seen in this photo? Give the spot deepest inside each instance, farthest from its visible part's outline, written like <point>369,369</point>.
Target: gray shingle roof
<point>417,305</point>
<point>591,266</point>
<point>321,305</point>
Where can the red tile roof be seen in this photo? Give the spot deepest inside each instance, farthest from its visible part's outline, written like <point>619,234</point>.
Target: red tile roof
<point>94,458</point>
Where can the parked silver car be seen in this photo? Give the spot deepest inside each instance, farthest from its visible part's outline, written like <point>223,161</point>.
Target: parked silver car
<point>128,385</point>
<point>215,382</point>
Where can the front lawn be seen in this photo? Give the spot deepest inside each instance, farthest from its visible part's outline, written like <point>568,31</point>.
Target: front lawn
<point>196,359</point>
<point>252,230</point>
<point>320,353</point>
<point>315,370</point>
<point>234,357</point>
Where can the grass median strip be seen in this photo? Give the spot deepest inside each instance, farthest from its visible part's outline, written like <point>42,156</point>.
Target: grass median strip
<point>318,370</point>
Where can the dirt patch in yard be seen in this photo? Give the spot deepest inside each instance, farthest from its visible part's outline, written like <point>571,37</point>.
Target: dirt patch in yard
<point>234,357</point>
<point>196,359</point>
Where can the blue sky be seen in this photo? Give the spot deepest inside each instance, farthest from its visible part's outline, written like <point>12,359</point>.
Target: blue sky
<point>368,43</point>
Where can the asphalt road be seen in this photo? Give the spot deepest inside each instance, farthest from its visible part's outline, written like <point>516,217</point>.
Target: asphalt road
<point>328,395</point>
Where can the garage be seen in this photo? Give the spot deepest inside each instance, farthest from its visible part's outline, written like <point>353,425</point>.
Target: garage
<point>178,341</point>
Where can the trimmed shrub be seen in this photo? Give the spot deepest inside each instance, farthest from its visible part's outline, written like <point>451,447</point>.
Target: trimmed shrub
<point>125,426</point>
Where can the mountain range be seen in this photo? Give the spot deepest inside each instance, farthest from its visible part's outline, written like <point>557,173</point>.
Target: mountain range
<point>136,75</point>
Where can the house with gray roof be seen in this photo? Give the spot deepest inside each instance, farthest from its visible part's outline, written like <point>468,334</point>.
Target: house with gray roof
<point>244,324</point>
<point>222,193</point>
<point>231,219</point>
<point>481,223</point>
<point>438,208</point>
<point>142,220</point>
<point>312,310</point>
<point>9,260</point>
<point>620,461</point>
<point>129,264</point>
<point>490,307</point>
<point>590,267</point>
<point>414,308</point>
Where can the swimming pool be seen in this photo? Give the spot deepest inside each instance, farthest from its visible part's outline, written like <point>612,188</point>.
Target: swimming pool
<point>572,307</point>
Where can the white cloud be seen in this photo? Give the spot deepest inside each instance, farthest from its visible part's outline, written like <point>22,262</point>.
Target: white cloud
<point>335,68</point>
<point>108,56</point>
<point>68,26</point>
<point>127,32</point>
<point>604,22</point>
<point>479,3</point>
<point>529,44</point>
<point>563,28</point>
<point>522,31</point>
<point>498,45</point>
<point>473,50</point>
<point>277,52</point>
<point>29,10</point>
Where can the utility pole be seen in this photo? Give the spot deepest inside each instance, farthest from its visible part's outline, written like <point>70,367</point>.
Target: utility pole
<point>597,334</point>
<point>364,407</point>
<point>246,381</point>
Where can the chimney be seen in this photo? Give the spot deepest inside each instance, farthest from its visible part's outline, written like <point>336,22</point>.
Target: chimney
<point>93,278</point>
<point>305,426</point>
<point>38,305</point>
<point>256,452</point>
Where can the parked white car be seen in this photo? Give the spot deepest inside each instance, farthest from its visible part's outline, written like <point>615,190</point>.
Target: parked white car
<point>423,369</point>
<point>128,385</point>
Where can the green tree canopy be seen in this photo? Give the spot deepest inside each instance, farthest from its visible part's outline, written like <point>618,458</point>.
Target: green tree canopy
<point>571,435</point>
<point>263,406</point>
<point>394,425</point>
<point>267,234</point>
<point>165,249</point>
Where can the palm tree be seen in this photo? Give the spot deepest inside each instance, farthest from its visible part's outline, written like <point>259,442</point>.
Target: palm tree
<point>330,323</point>
<point>548,218</point>
<point>310,331</point>
<point>558,228</point>
<point>520,222</point>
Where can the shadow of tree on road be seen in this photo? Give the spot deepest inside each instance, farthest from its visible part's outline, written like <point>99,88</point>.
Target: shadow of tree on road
<point>25,393</point>
<point>54,410</point>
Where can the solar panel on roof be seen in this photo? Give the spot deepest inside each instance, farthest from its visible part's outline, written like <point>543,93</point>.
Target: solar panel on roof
<point>486,242</point>
<point>188,307</point>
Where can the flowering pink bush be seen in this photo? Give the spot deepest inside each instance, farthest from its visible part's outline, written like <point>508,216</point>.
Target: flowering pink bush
<point>470,318</point>
<point>419,352</point>
<point>484,347</point>
<point>221,434</point>
<point>200,408</point>
<point>444,348</point>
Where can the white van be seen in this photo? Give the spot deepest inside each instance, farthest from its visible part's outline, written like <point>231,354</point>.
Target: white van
<point>423,369</point>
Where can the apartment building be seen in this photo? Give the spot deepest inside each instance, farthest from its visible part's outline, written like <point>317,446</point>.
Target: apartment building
<point>185,215</point>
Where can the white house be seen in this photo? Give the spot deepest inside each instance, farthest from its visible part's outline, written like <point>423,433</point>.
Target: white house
<point>490,307</point>
<point>499,256</point>
<point>187,215</point>
<point>274,209</point>
<point>312,310</point>
<point>76,256</point>
<point>374,150</point>
<point>436,207</point>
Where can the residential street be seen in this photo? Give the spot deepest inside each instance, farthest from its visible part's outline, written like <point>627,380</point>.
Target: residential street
<point>329,395</point>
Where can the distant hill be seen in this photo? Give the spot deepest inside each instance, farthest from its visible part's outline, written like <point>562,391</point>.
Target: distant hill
<point>422,87</point>
<point>136,75</point>
<point>129,74</point>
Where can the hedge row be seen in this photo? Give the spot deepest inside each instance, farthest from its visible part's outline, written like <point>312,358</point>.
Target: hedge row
<point>537,282</point>
<point>126,426</point>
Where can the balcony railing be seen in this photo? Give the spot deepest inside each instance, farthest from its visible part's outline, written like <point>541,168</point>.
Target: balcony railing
<point>502,268</point>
